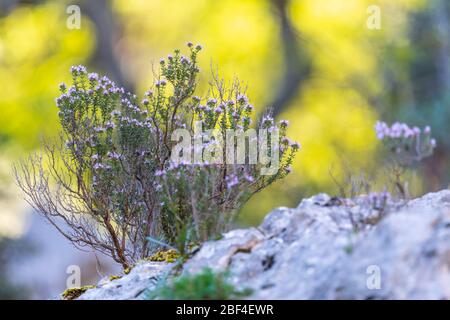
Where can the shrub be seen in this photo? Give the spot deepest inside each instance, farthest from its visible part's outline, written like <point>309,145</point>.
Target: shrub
<point>206,285</point>
<point>115,180</point>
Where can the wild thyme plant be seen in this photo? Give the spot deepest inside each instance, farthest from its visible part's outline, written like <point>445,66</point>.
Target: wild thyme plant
<point>114,183</point>
<point>407,145</point>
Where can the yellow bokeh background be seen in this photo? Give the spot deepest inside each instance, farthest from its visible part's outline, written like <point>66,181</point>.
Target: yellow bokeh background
<point>330,115</point>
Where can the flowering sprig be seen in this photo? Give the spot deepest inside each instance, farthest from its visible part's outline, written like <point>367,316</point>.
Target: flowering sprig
<point>409,144</point>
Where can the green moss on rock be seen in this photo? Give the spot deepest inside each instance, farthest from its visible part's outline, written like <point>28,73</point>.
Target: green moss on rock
<point>165,256</point>
<point>128,270</point>
<point>73,293</point>
<point>111,278</point>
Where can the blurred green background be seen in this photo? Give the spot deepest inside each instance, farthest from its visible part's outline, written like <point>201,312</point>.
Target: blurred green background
<point>314,61</point>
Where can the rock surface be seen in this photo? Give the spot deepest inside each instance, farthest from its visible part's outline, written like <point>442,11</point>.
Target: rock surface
<point>131,286</point>
<point>326,248</point>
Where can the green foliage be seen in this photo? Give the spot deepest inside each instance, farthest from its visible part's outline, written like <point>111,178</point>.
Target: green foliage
<point>206,285</point>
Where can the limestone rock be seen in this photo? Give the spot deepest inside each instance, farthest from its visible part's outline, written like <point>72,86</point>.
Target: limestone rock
<point>142,277</point>
<point>326,248</point>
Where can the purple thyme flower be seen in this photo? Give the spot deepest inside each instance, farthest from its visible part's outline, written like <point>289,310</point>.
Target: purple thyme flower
<point>72,91</point>
<point>69,143</point>
<point>82,69</point>
<point>62,86</point>
<point>110,125</point>
<point>398,130</point>
<point>267,121</point>
<point>230,103</point>
<point>241,98</point>
<point>381,129</point>
<point>409,144</point>
<point>58,102</point>
<point>284,123</point>
<point>433,143</point>
<point>93,76</point>
<point>249,108</point>
<point>116,113</point>
<point>75,70</point>
<point>212,101</point>
<point>105,80</point>
<point>184,60</point>
<point>113,155</point>
<point>161,83</point>
<point>295,146</point>
<point>232,181</point>
<point>160,173</point>
<point>99,166</point>
<point>285,141</point>
<point>248,178</point>
<point>247,120</point>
